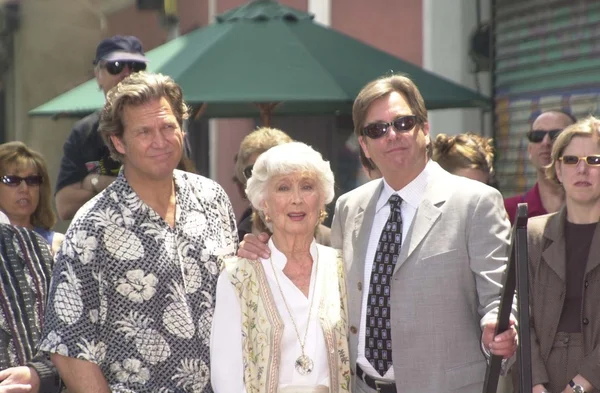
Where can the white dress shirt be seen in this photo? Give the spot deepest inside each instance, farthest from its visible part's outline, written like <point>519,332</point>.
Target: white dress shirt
<point>412,195</point>
<point>226,356</point>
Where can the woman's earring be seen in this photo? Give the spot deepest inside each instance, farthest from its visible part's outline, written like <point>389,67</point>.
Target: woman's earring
<point>267,218</point>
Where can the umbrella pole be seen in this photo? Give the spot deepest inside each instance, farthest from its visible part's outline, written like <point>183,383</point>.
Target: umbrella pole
<point>266,110</point>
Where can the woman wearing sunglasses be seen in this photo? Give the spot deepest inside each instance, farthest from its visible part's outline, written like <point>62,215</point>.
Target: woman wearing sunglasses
<point>564,269</point>
<point>25,193</point>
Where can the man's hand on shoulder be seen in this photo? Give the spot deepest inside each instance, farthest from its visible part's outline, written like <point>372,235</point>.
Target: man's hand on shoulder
<point>20,379</point>
<point>253,247</point>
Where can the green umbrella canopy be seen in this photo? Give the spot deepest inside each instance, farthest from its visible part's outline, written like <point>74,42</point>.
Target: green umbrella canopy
<point>268,54</point>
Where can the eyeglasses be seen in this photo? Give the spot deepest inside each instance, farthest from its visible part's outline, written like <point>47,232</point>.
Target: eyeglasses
<point>116,67</point>
<point>574,160</point>
<point>248,171</point>
<point>15,181</point>
<point>401,124</point>
<point>536,136</point>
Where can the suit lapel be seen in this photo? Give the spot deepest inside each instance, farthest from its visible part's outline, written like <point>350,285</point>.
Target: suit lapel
<point>554,254</point>
<point>362,228</point>
<point>594,256</point>
<point>426,216</point>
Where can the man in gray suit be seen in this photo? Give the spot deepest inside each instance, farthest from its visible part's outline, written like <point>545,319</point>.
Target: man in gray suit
<point>425,252</point>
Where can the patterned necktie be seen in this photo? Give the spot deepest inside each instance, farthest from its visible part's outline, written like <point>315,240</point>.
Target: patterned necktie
<point>378,339</point>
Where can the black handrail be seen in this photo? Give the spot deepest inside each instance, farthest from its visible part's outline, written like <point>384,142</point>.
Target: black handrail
<point>515,277</point>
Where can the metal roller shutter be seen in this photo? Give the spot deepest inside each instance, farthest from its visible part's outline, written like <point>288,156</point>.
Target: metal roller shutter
<point>547,57</point>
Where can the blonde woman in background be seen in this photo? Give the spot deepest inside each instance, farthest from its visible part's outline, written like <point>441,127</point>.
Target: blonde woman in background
<point>25,192</point>
<point>468,155</point>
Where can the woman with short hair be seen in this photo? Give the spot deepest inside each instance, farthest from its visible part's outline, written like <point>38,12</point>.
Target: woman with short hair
<point>280,324</point>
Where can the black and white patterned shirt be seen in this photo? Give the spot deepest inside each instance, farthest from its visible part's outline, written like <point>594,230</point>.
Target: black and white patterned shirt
<point>136,296</point>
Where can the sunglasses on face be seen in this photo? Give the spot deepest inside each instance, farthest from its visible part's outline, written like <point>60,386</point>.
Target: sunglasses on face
<point>15,181</point>
<point>248,171</point>
<point>536,136</point>
<point>574,160</point>
<point>401,124</point>
<point>116,67</point>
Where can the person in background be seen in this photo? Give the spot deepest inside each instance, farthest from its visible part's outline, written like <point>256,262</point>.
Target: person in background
<point>251,147</point>
<point>280,323</point>
<point>545,196</point>
<point>468,155</point>
<point>25,191</point>
<point>87,167</point>
<point>25,271</point>
<point>133,287</point>
<point>564,269</point>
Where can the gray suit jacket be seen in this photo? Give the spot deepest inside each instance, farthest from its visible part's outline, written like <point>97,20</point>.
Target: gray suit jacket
<point>446,283</point>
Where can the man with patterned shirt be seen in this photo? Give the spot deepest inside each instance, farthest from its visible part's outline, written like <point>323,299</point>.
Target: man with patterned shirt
<point>131,302</point>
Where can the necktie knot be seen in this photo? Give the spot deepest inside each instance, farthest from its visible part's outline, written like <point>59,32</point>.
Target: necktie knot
<point>395,201</point>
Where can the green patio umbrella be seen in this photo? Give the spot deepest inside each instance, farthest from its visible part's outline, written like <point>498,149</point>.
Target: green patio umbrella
<point>277,59</point>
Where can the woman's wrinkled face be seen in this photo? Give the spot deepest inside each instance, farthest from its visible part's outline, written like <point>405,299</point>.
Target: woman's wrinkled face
<point>293,203</point>
<point>19,202</point>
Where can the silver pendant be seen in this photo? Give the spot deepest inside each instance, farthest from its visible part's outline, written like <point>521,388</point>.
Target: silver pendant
<point>304,365</point>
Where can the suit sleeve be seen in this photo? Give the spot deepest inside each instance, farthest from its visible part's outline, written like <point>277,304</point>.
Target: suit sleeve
<point>488,243</point>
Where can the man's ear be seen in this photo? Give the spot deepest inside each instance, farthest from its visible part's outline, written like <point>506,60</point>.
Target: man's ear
<point>363,145</point>
<point>118,144</point>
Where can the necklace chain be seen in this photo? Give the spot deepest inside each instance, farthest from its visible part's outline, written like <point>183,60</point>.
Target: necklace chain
<point>302,343</point>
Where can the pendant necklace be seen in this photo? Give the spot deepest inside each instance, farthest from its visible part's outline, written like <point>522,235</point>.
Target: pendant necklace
<point>304,364</point>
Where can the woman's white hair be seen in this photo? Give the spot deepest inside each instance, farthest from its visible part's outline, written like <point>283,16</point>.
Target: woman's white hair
<point>286,159</point>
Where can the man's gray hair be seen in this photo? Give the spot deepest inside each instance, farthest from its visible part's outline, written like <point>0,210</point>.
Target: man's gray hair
<point>286,159</point>
<point>137,89</point>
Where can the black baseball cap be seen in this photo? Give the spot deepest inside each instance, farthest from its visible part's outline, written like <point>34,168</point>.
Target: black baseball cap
<point>120,48</point>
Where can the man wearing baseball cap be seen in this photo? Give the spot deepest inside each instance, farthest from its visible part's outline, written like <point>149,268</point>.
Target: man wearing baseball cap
<point>86,167</point>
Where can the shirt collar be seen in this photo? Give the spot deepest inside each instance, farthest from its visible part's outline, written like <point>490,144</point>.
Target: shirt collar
<point>280,260</point>
<point>412,193</point>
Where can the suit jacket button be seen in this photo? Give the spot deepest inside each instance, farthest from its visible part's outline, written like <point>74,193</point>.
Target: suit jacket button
<point>360,286</point>
<point>353,329</point>
<point>586,321</point>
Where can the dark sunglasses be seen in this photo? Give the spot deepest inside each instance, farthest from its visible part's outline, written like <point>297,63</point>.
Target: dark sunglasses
<point>536,136</point>
<point>401,124</point>
<point>116,67</point>
<point>15,181</point>
<point>248,171</point>
<point>574,160</point>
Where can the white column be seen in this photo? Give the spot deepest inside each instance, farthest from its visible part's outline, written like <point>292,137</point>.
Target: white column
<point>447,26</point>
<point>322,11</point>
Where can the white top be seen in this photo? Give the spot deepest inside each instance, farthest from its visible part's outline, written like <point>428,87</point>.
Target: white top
<point>4,219</point>
<point>412,195</point>
<point>226,356</point>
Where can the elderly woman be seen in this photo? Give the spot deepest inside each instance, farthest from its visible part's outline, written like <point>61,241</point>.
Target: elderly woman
<point>25,193</point>
<point>468,155</point>
<point>564,269</point>
<point>252,146</point>
<point>280,323</point>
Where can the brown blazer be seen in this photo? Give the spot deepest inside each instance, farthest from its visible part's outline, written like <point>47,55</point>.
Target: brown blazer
<point>547,282</point>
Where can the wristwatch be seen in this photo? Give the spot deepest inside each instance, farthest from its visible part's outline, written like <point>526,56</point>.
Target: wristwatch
<point>576,388</point>
<point>94,182</point>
